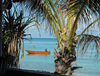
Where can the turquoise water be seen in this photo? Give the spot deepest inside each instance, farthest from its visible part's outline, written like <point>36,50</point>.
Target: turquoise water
<point>91,65</point>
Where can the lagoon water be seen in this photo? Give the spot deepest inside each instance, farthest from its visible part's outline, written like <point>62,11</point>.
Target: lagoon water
<point>91,65</point>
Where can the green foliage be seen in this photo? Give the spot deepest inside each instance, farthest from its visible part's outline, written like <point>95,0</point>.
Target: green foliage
<point>6,36</point>
<point>79,9</point>
<point>14,25</point>
<point>88,27</point>
<point>89,41</point>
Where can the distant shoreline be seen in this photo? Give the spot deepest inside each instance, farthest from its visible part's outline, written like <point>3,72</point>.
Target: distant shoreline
<point>42,38</point>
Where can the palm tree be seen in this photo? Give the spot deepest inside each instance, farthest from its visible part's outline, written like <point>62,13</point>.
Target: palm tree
<point>66,34</point>
<point>14,24</point>
<point>13,27</point>
<point>15,19</point>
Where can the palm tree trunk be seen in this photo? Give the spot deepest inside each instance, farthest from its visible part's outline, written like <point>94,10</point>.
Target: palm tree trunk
<point>65,59</point>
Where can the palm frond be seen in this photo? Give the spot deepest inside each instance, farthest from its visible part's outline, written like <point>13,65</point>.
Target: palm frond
<point>86,41</point>
<point>54,29</point>
<point>33,4</point>
<point>88,27</point>
<point>92,8</point>
<point>22,50</point>
<point>59,9</point>
<point>74,26</point>
<point>49,12</point>
<point>56,14</point>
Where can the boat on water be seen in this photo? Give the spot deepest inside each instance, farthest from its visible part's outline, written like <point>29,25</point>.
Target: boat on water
<point>38,52</point>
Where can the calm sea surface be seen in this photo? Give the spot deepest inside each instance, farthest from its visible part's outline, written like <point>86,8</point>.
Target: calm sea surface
<point>91,65</point>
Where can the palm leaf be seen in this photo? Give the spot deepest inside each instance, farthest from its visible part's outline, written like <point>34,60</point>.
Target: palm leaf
<point>54,29</point>
<point>22,50</point>
<point>59,9</point>
<point>97,42</point>
<point>56,14</point>
<point>74,26</point>
<point>52,17</point>
<point>86,41</point>
<point>88,27</point>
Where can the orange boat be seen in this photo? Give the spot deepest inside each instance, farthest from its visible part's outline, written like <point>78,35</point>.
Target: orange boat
<point>38,52</point>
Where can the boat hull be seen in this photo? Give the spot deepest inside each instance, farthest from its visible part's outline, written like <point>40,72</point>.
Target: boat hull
<point>37,52</point>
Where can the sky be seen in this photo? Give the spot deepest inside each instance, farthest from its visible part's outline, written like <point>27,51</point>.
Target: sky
<point>41,33</point>
<point>45,33</point>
